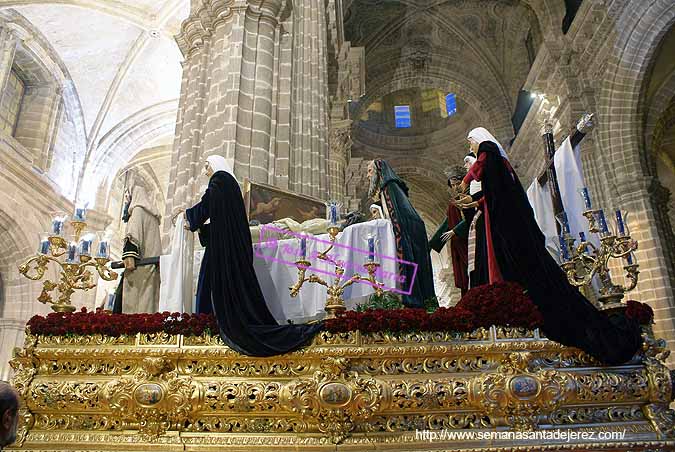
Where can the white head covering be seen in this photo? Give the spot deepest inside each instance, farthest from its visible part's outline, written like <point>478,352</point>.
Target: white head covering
<point>379,209</point>
<point>139,194</point>
<point>481,134</point>
<point>219,163</point>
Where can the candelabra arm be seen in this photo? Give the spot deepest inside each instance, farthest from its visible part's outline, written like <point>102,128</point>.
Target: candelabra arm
<point>101,266</point>
<point>316,279</point>
<point>632,273</point>
<point>40,267</point>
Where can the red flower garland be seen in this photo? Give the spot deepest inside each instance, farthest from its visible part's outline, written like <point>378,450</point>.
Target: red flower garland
<point>84,323</point>
<point>502,304</point>
<point>641,312</point>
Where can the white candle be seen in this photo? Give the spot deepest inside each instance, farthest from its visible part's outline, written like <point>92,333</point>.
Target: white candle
<point>44,246</point>
<point>103,250</point>
<point>71,257</point>
<point>80,214</point>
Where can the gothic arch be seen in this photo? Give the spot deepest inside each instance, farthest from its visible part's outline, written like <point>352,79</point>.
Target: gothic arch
<point>16,246</point>
<point>120,145</point>
<point>640,29</point>
<point>624,160</point>
<point>44,71</point>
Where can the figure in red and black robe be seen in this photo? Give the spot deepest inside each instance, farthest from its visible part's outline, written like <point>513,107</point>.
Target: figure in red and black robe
<point>455,229</point>
<point>516,252</point>
<point>459,249</point>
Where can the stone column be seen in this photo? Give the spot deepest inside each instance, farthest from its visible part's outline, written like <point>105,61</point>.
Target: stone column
<point>7,50</point>
<point>340,143</point>
<point>309,101</point>
<point>281,127</point>
<point>226,94</point>
<point>254,119</point>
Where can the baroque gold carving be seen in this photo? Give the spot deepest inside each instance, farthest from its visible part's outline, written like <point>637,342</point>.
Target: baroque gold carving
<point>155,396</point>
<point>514,396</point>
<point>335,398</point>
<point>356,389</point>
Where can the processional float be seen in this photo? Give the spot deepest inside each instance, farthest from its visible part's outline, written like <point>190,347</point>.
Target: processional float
<point>495,389</point>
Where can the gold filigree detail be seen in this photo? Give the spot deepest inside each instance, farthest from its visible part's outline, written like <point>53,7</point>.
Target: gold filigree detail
<point>384,386</point>
<point>514,396</point>
<point>661,418</point>
<point>155,396</point>
<point>335,398</point>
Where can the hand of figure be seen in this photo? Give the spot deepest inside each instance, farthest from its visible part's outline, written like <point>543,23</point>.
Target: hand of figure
<point>129,264</point>
<point>468,205</point>
<point>175,216</point>
<point>463,199</point>
<point>462,187</point>
<point>447,235</point>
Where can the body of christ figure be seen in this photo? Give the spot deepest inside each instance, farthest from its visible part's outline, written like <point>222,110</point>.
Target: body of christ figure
<point>410,233</point>
<point>227,278</point>
<point>516,252</point>
<point>138,291</point>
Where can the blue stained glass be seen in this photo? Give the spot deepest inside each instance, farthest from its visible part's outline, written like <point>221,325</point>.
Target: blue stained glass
<point>402,116</point>
<point>451,104</point>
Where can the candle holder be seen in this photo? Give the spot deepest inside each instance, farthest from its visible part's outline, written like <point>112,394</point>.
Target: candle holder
<point>334,302</point>
<point>587,260</point>
<point>73,266</point>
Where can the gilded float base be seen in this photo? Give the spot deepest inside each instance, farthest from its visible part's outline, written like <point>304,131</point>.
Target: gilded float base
<point>346,392</point>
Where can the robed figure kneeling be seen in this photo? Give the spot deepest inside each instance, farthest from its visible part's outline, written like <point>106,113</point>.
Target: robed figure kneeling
<point>516,251</point>
<point>227,277</point>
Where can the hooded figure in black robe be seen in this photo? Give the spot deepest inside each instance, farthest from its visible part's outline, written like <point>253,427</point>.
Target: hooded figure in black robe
<point>409,231</point>
<point>246,324</point>
<point>517,252</point>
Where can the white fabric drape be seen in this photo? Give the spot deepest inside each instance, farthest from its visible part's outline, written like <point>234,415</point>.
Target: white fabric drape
<point>275,277</point>
<point>475,186</point>
<point>176,272</point>
<point>542,204</point>
<point>570,175</point>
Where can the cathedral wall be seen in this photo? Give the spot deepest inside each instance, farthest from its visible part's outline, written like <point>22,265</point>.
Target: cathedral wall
<point>41,148</point>
<point>603,65</point>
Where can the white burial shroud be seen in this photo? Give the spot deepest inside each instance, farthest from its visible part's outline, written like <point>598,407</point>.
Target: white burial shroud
<point>542,204</point>
<point>175,290</point>
<point>567,161</point>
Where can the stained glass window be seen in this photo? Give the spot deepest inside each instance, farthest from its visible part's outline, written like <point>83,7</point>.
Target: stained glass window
<point>451,104</point>
<point>402,116</point>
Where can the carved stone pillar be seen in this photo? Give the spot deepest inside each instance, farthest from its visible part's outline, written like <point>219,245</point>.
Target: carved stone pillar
<point>642,198</point>
<point>340,141</point>
<point>254,118</point>
<point>226,93</point>
<point>308,173</point>
<point>7,50</point>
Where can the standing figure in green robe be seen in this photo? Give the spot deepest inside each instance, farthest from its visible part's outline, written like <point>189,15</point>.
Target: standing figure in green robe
<point>417,282</point>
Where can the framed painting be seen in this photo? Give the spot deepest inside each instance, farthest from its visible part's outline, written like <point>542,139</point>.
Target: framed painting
<point>266,203</point>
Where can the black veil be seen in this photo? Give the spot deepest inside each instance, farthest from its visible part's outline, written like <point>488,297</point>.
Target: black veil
<point>569,318</point>
<point>245,322</point>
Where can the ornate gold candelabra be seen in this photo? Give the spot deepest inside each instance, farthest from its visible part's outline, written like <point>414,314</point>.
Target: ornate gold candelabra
<point>587,260</point>
<point>73,260</point>
<point>335,302</point>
